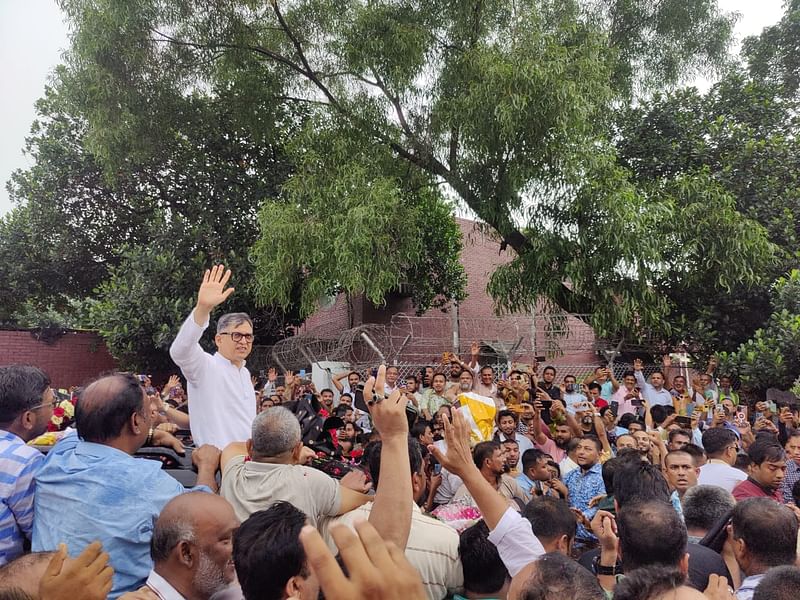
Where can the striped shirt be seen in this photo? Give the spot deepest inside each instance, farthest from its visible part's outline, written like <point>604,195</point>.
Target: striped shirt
<point>18,464</point>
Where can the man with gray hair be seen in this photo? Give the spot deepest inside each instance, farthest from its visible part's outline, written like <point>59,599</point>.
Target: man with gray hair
<point>703,507</point>
<point>192,548</point>
<point>222,401</point>
<point>276,471</point>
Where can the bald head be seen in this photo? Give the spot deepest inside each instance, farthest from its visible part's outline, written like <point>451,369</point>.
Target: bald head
<point>24,573</point>
<point>192,544</point>
<point>187,518</point>
<point>105,407</point>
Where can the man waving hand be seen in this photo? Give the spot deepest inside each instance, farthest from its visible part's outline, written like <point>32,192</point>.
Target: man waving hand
<point>222,401</point>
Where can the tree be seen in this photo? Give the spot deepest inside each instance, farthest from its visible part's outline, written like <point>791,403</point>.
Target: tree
<point>504,107</point>
<point>771,358</point>
<point>742,134</point>
<point>142,236</point>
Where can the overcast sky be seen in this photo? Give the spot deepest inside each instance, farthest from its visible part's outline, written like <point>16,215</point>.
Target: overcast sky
<point>33,37</point>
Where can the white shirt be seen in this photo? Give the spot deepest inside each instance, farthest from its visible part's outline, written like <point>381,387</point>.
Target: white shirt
<point>516,544</point>
<point>748,587</point>
<point>720,474</point>
<point>162,588</point>
<point>222,401</point>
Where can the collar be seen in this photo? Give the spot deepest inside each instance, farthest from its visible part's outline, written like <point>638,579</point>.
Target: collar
<point>10,437</point>
<point>596,468</point>
<point>100,451</point>
<point>225,361</point>
<point>767,491</point>
<point>751,582</point>
<point>162,588</point>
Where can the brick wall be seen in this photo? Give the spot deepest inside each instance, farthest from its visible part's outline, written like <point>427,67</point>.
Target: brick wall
<point>73,359</point>
<point>480,256</point>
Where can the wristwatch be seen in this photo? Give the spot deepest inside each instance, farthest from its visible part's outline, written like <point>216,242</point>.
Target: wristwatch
<point>603,569</point>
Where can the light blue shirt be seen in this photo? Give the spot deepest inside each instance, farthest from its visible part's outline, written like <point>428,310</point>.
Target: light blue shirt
<point>583,486</point>
<point>87,492</point>
<point>653,396</point>
<point>18,464</point>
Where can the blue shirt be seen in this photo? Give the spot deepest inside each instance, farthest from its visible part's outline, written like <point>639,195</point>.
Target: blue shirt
<point>18,464</point>
<point>583,486</point>
<point>87,492</point>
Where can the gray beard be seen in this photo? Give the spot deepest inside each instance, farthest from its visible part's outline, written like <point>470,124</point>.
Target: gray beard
<point>209,578</point>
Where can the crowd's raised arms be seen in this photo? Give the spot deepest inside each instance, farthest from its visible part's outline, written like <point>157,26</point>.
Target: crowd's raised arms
<point>453,479</point>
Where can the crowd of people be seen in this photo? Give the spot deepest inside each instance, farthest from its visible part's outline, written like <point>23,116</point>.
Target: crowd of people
<point>383,486</point>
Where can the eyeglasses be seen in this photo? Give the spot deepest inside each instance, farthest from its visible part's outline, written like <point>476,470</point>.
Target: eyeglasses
<point>50,404</point>
<point>238,337</point>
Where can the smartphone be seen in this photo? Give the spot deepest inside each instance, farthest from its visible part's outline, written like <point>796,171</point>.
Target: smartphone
<point>636,401</point>
<point>142,378</point>
<point>684,422</point>
<point>546,404</point>
<point>374,372</point>
<point>302,374</point>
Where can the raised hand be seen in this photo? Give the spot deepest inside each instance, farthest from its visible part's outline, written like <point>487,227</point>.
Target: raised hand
<point>388,413</point>
<point>474,349</point>
<point>666,361</point>
<point>212,291</point>
<point>458,458</point>
<point>89,576</point>
<point>172,382</point>
<point>637,364</point>
<point>376,569</point>
<point>272,375</point>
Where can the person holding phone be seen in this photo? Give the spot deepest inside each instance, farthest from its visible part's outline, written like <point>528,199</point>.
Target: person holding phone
<point>653,391</point>
<point>628,396</point>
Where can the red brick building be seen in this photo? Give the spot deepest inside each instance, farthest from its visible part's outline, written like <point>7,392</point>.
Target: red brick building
<point>432,333</point>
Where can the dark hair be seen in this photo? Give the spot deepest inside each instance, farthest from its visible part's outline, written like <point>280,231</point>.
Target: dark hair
<point>626,420</point>
<point>531,456</point>
<point>716,439</point>
<point>676,432</point>
<point>796,492</point>
<point>766,450</point>
<point>345,394</point>
<point>705,505</point>
<point>103,418</point>
<point>659,413</point>
<point>482,451</point>
<point>768,529</point>
<point>650,533</point>
<point>550,518</point>
<point>267,551</point>
<point>323,390</point>
<point>418,428</point>
<point>593,438</point>
<point>639,482</point>
<point>372,456</point>
<point>484,572</point>
<point>21,387</point>
<point>438,374</point>
<point>698,454</point>
<point>629,374</point>
<point>610,467</point>
<point>549,368</point>
<point>557,577</point>
<point>647,583</point>
<point>742,462</point>
<point>14,593</point>
<point>595,386</point>
<point>507,413</point>
<point>779,583</point>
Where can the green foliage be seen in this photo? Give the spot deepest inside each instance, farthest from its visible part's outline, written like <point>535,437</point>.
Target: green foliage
<point>140,306</point>
<point>389,227</point>
<point>771,357</point>
<point>507,108</point>
<point>193,199</point>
